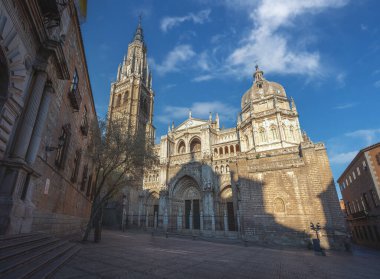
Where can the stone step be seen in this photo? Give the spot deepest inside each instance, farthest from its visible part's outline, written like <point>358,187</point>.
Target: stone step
<point>21,241</point>
<point>16,236</point>
<point>10,263</point>
<point>42,265</point>
<point>12,251</point>
<point>53,266</point>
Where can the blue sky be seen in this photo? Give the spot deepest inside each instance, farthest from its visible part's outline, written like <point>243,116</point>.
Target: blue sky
<point>326,53</point>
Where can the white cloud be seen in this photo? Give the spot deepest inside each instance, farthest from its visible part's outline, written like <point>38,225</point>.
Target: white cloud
<point>174,59</point>
<point>268,45</point>
<point>363,27</point>
<point>343,158</point>
<point>341,79</point>
<point>199,18</point>
<point>199,110</point>
<point>345,106</point>
<point>367,135</point>
<point>377,84</point>
<point>203,78</point>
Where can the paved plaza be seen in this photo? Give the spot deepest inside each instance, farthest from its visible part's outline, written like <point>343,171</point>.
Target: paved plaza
<point>141,255</point>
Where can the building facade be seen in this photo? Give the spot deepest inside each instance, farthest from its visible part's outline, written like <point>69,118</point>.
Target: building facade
<point>46,109</point>
<point>262,180</point>
<point>360,187</point>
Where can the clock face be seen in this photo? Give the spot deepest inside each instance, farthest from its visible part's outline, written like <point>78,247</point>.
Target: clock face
<point>189,123</point>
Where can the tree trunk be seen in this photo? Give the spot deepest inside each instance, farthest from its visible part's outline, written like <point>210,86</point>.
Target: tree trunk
<point>98,225</point>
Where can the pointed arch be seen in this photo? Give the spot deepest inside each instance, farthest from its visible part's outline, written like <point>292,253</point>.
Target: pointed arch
<point>273,133</point>
<point>181,148</point>
<point>263,135</point>
<point>195,144</point>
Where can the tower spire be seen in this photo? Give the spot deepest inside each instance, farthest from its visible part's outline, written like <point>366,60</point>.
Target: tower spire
<point>139,31</point>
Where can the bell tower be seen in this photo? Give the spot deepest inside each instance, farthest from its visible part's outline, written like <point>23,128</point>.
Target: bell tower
<point>132,95</point>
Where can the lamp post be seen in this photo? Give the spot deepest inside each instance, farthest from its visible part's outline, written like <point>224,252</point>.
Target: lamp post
<point>315,228</point>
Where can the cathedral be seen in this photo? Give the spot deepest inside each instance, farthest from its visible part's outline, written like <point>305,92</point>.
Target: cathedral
<point>262,181</point>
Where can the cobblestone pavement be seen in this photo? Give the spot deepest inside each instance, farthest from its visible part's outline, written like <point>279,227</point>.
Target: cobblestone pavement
<point>139,255</point>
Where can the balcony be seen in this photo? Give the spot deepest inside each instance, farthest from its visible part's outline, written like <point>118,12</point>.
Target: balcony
<point>358,215</point>
<point>75,98</point>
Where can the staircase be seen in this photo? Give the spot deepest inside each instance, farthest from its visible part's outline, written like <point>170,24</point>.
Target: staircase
<point>33,255</point>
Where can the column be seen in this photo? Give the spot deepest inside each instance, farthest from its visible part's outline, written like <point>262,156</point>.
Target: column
<point>147,219</point>
<point>213,221</point>
<point>201,217</point>
<point>155,220</point>
<point>27,125</point>
<point>40,124</point>
<point>191,220</point>
<point>166,219</point>
<point>179,219</point>
<point>225,221</point>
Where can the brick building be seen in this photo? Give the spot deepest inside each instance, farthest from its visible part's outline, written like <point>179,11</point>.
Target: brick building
<point>262,180</point>
<point>46,107</point>
<point>360,187</point>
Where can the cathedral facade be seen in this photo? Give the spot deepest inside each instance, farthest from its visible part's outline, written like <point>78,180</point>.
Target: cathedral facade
<point>263,180</point>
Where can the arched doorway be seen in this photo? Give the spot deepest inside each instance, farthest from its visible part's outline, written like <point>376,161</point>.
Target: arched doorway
<point>227,207</point>
<point>152,206</point>
<point>4,79</point>
<point>186,200</point>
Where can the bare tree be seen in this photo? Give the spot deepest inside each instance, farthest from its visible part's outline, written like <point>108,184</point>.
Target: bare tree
<point>120,156</point>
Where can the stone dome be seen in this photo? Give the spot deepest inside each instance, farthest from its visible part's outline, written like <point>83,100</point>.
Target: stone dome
<point>261,88</point>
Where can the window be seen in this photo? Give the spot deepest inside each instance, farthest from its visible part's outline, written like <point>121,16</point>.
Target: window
<point>74,174</point>
<point>375,198</point>
<point>222,169</point>
<point>227,168</point>
<point>365,202</point>
<point>195,145</point>
<point>84,178</point>
<point>354,206</point>
<point>378,158</point>
<point>346,182</point>
<point>4,79</point>
<point>84,124</point>
<point>273,131</point>
<point>181,148</point>
<point>364,165</point>
<point>344,185</point>
<point>62,149</point>
<point>88,191</point>
<point>74,82</point>
<point>354,175</point>
<point>358,170</point>
<point>348,208</point>
<point>358,205</point>
<point>263,136</point>
<point>350,179</point>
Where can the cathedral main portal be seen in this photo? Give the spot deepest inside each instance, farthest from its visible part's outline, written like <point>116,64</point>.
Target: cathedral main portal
<point>187,202</point>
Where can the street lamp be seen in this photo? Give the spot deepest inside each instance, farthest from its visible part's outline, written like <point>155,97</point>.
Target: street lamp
<point>315,228</point>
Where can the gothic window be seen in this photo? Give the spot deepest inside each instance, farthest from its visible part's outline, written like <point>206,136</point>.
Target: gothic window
<point>227,168</point>
<point>291,133</point>
<point>181,148</point>
<point>273,131</point>
<point>125,98</point>
<point>77,158</point>
<point>237,148</point>
<point>226,150</point>
<point>4,79</point>
<point>215,151</point>
<point>118,102</point>
<point>279,206</point>
<point>222,169</point>
<point>195,145</point>
<point>247,141</point>
<point>62,149</point>
<point>358,170</point>
<point>220,150</point>
<point>84,178</point>
<point>283,127</point>
<point>263,136</point>
<point>216,169</point>
<point>232,149</point>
